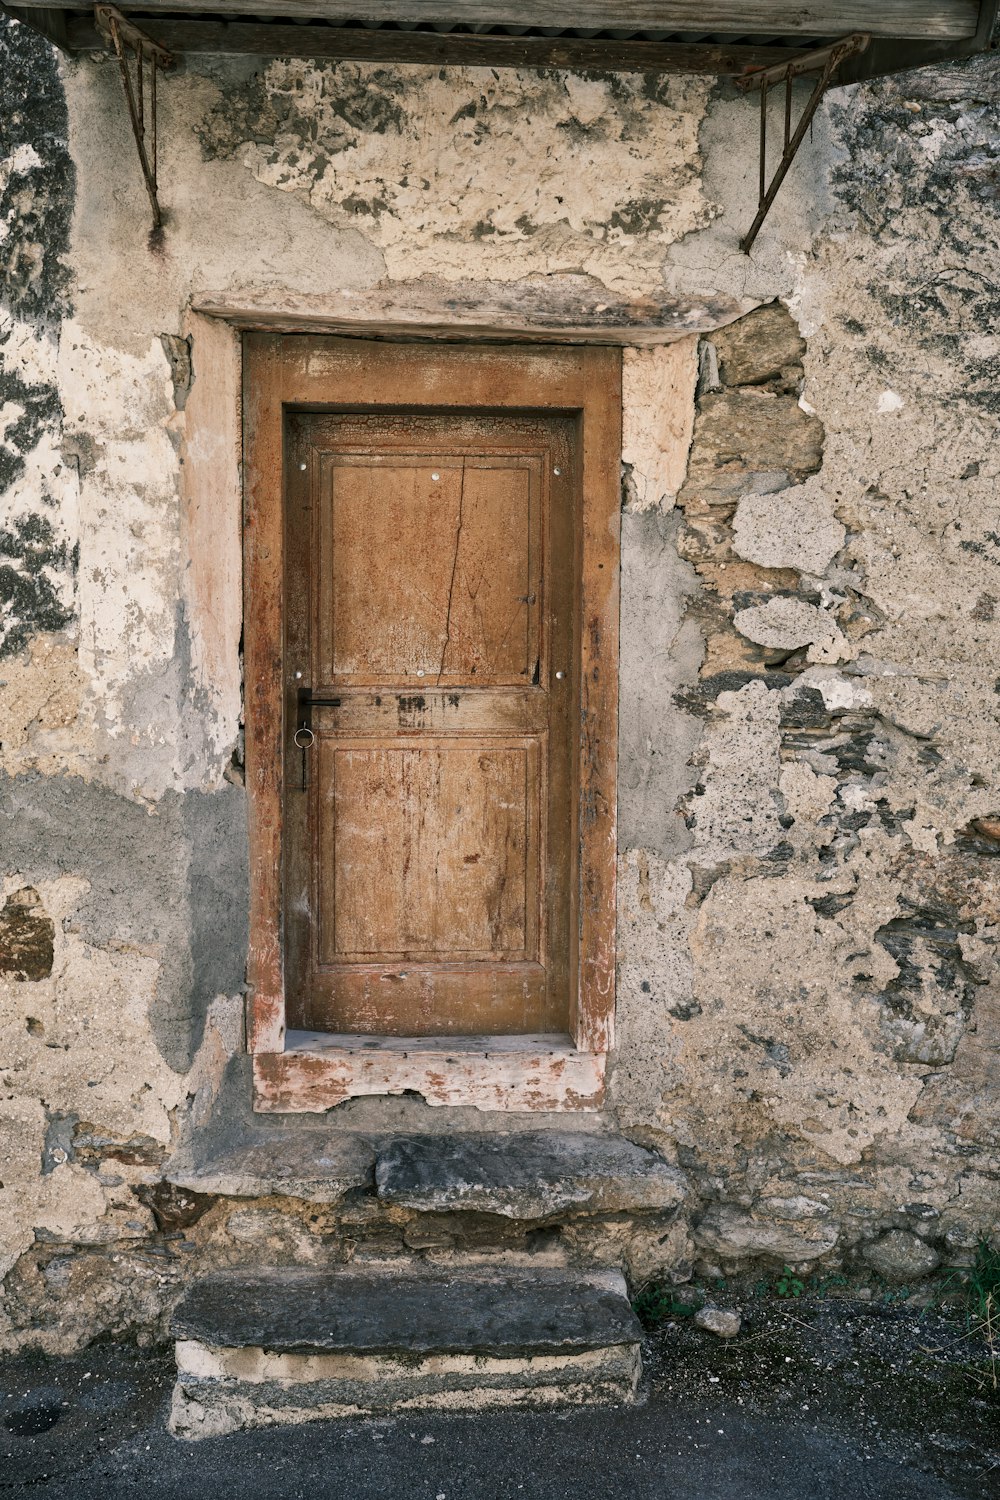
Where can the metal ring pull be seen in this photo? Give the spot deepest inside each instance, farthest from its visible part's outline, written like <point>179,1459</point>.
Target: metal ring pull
<point>308,738</point>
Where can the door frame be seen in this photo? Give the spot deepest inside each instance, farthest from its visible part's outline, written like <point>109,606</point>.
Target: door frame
<point>309,1071</point>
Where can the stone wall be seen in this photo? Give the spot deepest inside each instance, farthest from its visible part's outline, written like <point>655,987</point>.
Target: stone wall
<point>809,1011</point>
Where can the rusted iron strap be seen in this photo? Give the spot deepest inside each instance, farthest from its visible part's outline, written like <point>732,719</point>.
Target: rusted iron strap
<point>825,60</point>
<point>108,19</point>
<point>124,37</point>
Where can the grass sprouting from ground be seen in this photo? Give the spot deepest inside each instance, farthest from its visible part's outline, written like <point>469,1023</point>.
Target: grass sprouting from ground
<point>984,1283</point>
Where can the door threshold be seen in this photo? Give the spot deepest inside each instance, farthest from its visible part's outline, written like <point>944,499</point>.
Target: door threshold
<point>327,1041</point>
<point>319,1070</point>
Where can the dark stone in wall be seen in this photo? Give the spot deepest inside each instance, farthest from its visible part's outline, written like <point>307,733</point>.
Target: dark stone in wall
<point>26,937</point>
<point>36,207</point>
<point>28,600</point>
<point>58,1148</point>
<point>944,200</point>
<point>36,203</point>
<point>176,878</point>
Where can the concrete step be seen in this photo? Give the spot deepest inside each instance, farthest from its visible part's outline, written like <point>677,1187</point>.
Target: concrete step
<point>525,1175</point>
<point>290,1346</point>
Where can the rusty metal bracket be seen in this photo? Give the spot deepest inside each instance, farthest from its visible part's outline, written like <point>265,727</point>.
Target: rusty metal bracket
<point>824,61</point>
<point>149,57</point>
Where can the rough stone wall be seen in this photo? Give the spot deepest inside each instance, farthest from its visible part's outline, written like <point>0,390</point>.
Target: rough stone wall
<point>809,1013</point>
<point>817,945</point>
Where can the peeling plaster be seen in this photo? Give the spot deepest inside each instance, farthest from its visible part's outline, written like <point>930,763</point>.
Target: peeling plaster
<point>528,172</point>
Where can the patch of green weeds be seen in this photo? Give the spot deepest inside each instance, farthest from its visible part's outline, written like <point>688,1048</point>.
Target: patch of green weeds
<point>785,1286</point>
<point>977,1287</point>
<point>788,1284</point>
<point>656,1304</point>
<point>984,1283</point>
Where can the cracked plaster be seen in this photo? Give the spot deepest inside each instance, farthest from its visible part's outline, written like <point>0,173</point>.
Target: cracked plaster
<point>527,173</point>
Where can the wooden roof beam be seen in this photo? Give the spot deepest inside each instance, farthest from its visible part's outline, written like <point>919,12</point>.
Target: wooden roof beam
<point>939,20</point>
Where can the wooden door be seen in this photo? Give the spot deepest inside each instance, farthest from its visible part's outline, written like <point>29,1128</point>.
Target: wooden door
<point>430,589</point>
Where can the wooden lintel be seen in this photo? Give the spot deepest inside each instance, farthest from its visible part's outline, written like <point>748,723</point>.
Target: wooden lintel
<point>355,44</point>
<point>557,309</point>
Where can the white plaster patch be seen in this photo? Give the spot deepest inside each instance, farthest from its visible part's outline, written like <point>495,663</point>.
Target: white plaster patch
<point>889,401</point>
<point>839,693</point>
<point>785,624</point>
<point>120,405</point>
<point>658,419</point>
<point>23,159</point>
<point>737,811</point>
<point>793,528</point>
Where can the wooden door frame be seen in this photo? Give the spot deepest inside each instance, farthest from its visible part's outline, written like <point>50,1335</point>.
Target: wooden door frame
<point>307,1071</point>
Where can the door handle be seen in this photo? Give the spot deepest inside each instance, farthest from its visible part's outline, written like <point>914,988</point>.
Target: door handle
<point>304,737</point>
<point>308,700</point>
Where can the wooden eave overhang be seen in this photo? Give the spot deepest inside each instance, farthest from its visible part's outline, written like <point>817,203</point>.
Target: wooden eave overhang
<point>722,37</point>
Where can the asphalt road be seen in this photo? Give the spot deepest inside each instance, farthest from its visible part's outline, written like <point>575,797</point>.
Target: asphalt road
<point>93,1428</point>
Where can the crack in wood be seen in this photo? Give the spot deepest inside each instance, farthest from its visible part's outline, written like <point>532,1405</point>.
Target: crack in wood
<point>454,571</point>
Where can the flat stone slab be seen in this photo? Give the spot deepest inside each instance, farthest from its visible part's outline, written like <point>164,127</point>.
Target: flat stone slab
<point>536,1175</point>
<point>292,1346</point>
<point>302,1311</point>
<point>320,1166</point>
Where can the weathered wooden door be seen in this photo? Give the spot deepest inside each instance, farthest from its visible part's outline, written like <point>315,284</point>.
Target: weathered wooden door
<point>431,584</point>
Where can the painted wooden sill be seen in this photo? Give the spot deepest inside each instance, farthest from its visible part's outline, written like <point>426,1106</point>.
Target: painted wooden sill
<point>318,1070</point>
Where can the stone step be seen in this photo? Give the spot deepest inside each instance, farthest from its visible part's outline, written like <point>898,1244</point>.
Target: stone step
<point>531,1176</point>
<point>525,1175</point>
<point>255,1349</point>
<point>319,1166</point>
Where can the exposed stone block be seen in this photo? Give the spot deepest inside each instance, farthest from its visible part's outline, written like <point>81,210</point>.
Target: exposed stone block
<point>721,1321</point>
<point>532,1176</point>
<point>27,935</point>
<point>320,1166</point>
<point>764,346</point>
<point>795,1208</point>
<point>743,432</point>
<point>736,1235</point>
<point>900,1256</point>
